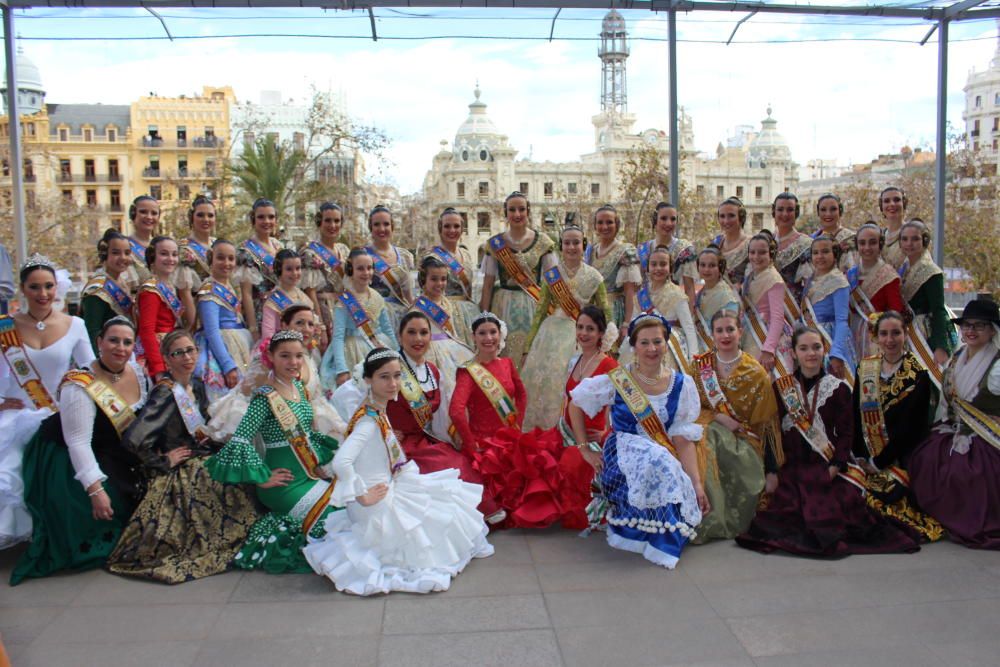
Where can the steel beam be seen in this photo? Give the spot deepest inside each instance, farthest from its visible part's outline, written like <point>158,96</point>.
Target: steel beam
<point>941,161</point>
<point>16,166</point>
<point>674,130</point>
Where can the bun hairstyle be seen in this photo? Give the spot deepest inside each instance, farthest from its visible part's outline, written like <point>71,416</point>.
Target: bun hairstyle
<point>379,209</point>
<point>200,200</point>
<point>284,336</point>
<point>448,211</point>
<point>409,317</point>
<point>892,188</point>
<point>283,256</point>
<point>789,196</point>
<point>323,208</point>
<point>426,264</point>
<point>572,228</point>
<point>837,250</point>
<point>887,315</point>
<point>802,330</point>
<point>151,249</point>
<point>484,318</point>
<point>871,224</point>
<point>172,337</point>
<point>260,203</point>
<point>110,234</point>
<point>116,321</point>
<point>597,316</point>
<point>712,249</point>
<point>613,210</point>
<point>741,210</point>
<point>351,256</point>
<point>288,314</point>
<point>656,211</point>
<point>918,224</point>
<point>767,237</point>
<point>376,359</point>
<point>514,195</point>
<point>133,208</point>
<point>830,195</point>
<point>215,244</point>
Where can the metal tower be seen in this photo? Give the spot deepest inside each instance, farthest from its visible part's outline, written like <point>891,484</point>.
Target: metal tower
<point>613,52</point>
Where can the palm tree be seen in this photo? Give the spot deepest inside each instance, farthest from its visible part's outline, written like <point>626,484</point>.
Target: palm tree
<point>270,170</point>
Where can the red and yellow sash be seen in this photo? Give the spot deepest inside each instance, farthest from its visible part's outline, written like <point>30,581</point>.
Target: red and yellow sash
<point>392,448</point>
<point>20,364</point>
<point>296,436</point>
<point>384,271</point>
<point>562,293</point>
<point>921,349</point>
<point>107,400</point>
<point>512,265</point>
<point>758,331</point>
<point>873,428</point>
<point>638,404</point>
<point>494,391</point>
<point>717,398</point>
<point>415,398</point>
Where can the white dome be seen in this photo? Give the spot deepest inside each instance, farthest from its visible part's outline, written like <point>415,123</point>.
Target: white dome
<point>769,145</point>
<point>28,76</point>
<point>477,136</point>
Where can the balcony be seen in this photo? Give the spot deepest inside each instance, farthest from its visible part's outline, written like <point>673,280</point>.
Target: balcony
<point>151,142</point>
<point>206,142</point>
<point>197,142</point>
<point>149,172</point>
<point>89,178</point>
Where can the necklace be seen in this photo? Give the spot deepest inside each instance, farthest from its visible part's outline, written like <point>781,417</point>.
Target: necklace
<point>115,375</point>
<point>40,323</point>
<point>428,377</point>
<point>645,379</point>
<point>586,366</point>
<point>727,364</point>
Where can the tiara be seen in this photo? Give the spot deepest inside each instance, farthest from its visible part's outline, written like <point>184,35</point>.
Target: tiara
<point>286,334</point>
<point>654,315</point>
<point>38,259</point>
<point>383,354</point>
<point>484,317</point>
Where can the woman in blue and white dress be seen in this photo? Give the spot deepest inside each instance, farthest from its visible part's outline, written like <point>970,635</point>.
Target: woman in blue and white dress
<point>649,467</point>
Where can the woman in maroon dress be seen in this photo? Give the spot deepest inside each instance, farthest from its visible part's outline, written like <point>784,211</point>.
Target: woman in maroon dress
<point>818,508</point>
<point>422,428</point>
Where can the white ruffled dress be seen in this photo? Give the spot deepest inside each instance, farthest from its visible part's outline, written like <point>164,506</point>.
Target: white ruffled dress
<point>416,539</point>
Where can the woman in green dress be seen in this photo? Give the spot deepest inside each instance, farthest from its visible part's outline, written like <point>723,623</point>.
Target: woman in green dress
<point>740,416</point>
<point>187,525</point>
<point>923,291</point>
<point>293,478</point>
<point>106,294</point>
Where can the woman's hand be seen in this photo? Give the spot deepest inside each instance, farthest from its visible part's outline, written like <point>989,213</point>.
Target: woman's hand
<point>703,503</point>
<point>342,378</point>
<point>728,422</point>
<point>11,404</point>
<point>767,361</point>
<point>232,377</point>
<point>175,457</point>
<point>834,471</point>
<point>318,471</point>
<point>941,357</point>
<point>595,459</point>
<point>279,477</point>
<point>770,482</point>
<point>374,495</point>
<point>100,503</point>
<point>837,368</point>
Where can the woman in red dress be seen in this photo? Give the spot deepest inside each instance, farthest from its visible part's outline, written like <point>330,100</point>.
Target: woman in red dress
<point>875,286</point>
<point>159,308</point>
<point>422,428</point>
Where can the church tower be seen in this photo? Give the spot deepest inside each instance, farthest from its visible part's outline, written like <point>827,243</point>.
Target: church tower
<point>613,53</point>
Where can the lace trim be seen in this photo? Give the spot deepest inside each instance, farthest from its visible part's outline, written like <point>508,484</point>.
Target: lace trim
<point>306,502</point>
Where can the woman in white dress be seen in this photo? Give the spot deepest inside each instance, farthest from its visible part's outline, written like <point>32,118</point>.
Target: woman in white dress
<point>37,347</point>
<point>402,531</point>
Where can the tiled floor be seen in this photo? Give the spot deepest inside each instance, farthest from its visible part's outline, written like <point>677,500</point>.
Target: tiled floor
<point>545,598</point>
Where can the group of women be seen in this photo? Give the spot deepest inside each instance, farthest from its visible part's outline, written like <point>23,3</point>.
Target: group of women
<point>248,405</point>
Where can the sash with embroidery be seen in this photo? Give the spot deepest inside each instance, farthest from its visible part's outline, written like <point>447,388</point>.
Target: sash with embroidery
<point>494,391</point>
<point>107,400</point>
<point>861,309</point>
<point>646,305</point>
<point>167,294</point>
<point>512,265</point>
<point>138,250</point>
<point>260,253</point>
<point>791,395</point>
<point>111,293</point>
<point>436,313</point>
<point>200,254</point>
<point>562,293</point>
<point>12,348</point>
<point>328,257</point>
<point>359,316</point>
<point>392,449</point>
<point>921,349</point>
<point>278,300</point>
<point>296,436</point>
<point>416,399</point>
<point>455,267</point>
<point>190,414</point>
<point>810,319</point>
<point>384,271</point>
<point>758,331</point>
<point>717,397</point>
<point>638,404</point>
<point>222,295</point>
<point>873,429</point>
<point>644,250</point>
<point>984,425</point>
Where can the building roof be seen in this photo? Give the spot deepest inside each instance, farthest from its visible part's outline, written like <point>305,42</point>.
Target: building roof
<point>97,115</point>
<point>769,145</point>
<point>28,76</point>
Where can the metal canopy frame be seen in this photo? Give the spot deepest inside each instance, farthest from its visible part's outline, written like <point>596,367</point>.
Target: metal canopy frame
<point>939,13</point>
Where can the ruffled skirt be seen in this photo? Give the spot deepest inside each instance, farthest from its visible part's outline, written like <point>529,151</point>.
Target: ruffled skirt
<point>18,426</point>
<point>416,539</point>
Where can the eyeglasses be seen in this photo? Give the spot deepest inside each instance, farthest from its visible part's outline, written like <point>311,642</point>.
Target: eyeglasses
<point>187,351</point>
<point>975,326</point>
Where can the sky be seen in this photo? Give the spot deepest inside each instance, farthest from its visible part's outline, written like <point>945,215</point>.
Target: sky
<point>849,97</point>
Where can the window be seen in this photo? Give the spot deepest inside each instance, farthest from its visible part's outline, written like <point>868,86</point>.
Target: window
<point>465,222</point>
<point>996,123</point>
<point>153,170</point>
<point>483,222</point>
<point>156,192</point>
<point>758,192</point>
<point>91,198</point>
<point>299,141</point>
<point>975,145</point>
<point>979,101</point>
<point>461,190</point>
<point>996,100</point>
<point>112,134</point>
<point>67,196</point>
<point>547,188</point>
<point>484,155</point>
<point>210,168</point>
<point>595,189</point>
<point>182,166</point>
<point>484,188</point>
<point>29,199</point>
<point>29,170</point>
<point>739,191</point>
<point>89,172</point>
<point>116,200</point>
<point>63,134</point>
<point>571,188</point>
<point>758,221</point>
<point>113,174</point>
<point>6,167</point>
<point>65,173</point>
<point>700,190</point>
<point>523,188</point>
<point>720,192</point>
<point>184,192</point>
<point>182,136</point>
<point>549,221</point>
<point>31,129</point>
<point>88,134</point>
<point>975,128</point>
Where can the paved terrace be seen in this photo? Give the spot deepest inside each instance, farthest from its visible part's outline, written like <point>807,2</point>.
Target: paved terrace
<point>545,599</point>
